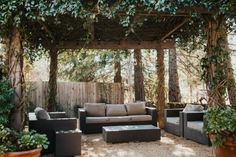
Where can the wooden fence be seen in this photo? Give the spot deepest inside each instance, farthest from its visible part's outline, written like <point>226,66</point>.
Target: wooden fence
<point>70,94</point>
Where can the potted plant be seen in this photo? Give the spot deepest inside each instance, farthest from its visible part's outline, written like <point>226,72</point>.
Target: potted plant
<point>19,144</point>
<point>221,127</point>
<point>12,143</point>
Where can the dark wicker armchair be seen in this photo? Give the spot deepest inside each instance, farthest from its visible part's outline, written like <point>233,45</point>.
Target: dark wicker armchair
<point>58,122</point>
<point>193,127</point>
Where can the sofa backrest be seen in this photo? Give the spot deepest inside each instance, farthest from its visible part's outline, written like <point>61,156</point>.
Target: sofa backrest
<point>137,108</point>
<point>116,110</point>
<point>95,109</point>
<point>102,109</point>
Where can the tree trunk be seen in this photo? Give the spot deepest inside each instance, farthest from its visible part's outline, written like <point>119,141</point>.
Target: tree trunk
<point>138,76</point>
<point>15,73</point>
<point>214,63</point>
<point>160,86</point>
<point>231,84</point>
<point>231,87</point>
<point>117,78</point>
<point>174,90</point>
<point>52,84</point>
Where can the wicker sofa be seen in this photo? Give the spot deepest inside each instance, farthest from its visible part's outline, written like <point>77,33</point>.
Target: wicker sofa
<point>193,127</point>
<point>58,122</point>
<point>173,121</point>
<point>96,115</point>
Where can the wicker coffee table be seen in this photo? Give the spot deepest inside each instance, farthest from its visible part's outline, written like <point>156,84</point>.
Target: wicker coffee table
<point>126,133</point>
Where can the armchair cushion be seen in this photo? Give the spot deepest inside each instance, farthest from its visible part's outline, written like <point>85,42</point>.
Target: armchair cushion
<point>41,114</point>
<point>95,109</point>
<point>116,110</point>
<point>136,108</point>
<point>196,125</point>
<point>173,120</point>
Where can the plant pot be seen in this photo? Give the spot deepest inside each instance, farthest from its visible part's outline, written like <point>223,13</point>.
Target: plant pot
<point>28,153</point>
<point>227,150</point>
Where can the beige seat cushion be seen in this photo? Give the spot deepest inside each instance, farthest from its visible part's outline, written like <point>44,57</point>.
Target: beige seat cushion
<point>41,114</point>
<point>116,110</point>
<point>118,119</point>
<point>140,118</point>
<point>136,108</point>
<point>196,125</point>
<point>91,120</point>
<point>173,120</point>
<point>95,109</point>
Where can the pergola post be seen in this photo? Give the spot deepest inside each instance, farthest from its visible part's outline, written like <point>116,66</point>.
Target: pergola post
<point>160,99</point>
<point>52,84</point>
<point>138,76</point>
<point>15,73</point>
<point>174,90</point>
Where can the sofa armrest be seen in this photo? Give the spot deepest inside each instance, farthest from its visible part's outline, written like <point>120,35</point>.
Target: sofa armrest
<point>53,124</point>
<point>82,118</point>
<point>193,116</point>
<point>175,112</point>
<point>153,112</point>
<point>57,115</point>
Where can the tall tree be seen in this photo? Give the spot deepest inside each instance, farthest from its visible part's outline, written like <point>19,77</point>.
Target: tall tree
<point>174,90</point>
<point>231,87</point>
<point>117,67</point>
<point>15,70</point>
<point>52,84</point>
<point>138,76</point>
<point>160,86</point>
<point>214,63</point>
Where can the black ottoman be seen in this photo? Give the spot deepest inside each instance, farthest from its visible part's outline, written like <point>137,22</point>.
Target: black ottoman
<point>68,143</point>
<point>127,133</point>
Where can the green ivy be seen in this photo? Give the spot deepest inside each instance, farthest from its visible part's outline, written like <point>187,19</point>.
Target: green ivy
<point>5,106</point>
<point>221,121</point>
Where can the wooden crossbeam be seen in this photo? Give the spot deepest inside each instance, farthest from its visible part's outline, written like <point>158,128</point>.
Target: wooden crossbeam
<point>114,45</point>
<point>173,30</point>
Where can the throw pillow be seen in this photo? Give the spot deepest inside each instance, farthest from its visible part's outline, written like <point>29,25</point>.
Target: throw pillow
<point>95,109</point>
<point>116,110</point>
<point>136,108</point>
<point>41,114</point>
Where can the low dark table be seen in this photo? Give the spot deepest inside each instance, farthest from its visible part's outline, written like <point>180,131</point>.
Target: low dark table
<point>128,133</point>
<point>68,143</point>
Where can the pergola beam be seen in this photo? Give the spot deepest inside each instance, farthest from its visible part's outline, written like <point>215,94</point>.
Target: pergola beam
<point>173,30</point>
<point>114,45</point>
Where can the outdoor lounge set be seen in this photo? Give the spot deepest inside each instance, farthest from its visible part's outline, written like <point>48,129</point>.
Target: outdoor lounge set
<point>117,123</point>
<point>186,123</point>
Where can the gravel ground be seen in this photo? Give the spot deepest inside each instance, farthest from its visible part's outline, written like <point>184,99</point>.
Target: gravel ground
<point>168,146</point>
<point>93,145</point>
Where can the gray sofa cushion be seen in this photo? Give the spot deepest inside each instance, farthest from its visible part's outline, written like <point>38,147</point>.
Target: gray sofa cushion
<point>140,118</point>
<point>119,119</point>
<point>95,109</point>
<point>116,110</point>
<point>41,114</point>
<point>196,125</point>
<point>172,120</point>
<point>92,120</point>
<point>136,108</point>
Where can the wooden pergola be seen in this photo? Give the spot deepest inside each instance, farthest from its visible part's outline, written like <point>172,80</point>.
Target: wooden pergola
<point>157,32</point>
